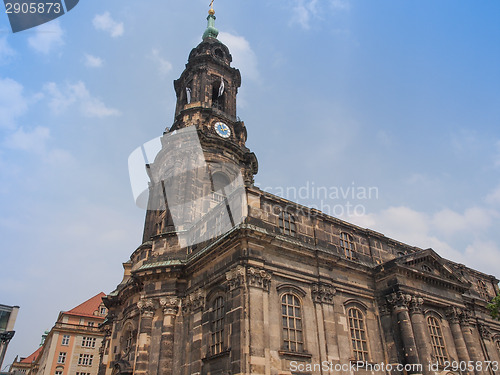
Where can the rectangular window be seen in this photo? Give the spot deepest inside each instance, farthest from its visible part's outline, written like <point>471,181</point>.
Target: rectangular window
<point>88,342</point>
<point>62,357</point>
<point>65,340</point>
<point>85,359</point>
<point>91,324</point>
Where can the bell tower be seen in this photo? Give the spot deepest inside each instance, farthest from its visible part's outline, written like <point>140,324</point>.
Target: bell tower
<point>203,159</point>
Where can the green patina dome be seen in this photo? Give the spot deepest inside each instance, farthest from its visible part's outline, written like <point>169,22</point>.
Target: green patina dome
<point>211,31</point>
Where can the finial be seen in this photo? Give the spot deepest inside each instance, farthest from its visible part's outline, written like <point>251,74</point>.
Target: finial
<point>211,31</point>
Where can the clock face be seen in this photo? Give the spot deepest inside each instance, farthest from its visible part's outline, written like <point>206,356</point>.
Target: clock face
<point>222,129</point>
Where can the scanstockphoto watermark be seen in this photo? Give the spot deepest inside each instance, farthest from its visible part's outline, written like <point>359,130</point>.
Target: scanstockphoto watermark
<point>332,200</point>
<point>325,366</point>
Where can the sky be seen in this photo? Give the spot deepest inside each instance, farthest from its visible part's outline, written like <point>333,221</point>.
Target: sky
<point>391,106</point>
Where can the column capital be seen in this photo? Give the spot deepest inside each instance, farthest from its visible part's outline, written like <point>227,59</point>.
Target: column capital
<point>484,331</point>
<point>235,277</point>
<point>146,307</point>
<point>194,300</point>
<point>416,305</point>
<point>399,300</point>
<point>453,314</point>
<point>170,305</point>
<point>259,278</point>
<point>323,293</point>
<point>252,276</point>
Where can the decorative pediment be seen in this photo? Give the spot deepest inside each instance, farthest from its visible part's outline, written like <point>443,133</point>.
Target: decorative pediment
<point>428,264</point>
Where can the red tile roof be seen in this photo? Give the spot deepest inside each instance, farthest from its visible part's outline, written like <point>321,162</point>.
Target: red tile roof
<point>88,307</point>
<point>31,358</point>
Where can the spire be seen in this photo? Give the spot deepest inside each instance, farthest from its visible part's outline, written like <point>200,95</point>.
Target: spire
<point>211,31</point>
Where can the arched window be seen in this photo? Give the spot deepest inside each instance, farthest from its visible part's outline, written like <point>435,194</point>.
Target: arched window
<point>292,323</point>
<point>347,244</point>
<point>287,223</point>
<point>437,340</point>
<point>218,313</point>
<point>497,344</point>
<point>359,343</point>
<point>218,95</point>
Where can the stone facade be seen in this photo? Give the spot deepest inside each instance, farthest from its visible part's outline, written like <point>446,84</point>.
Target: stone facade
<point>288,288</point>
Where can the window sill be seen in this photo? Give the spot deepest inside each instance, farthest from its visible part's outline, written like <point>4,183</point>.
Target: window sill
<point>301,355</point>
<point>224,353</point>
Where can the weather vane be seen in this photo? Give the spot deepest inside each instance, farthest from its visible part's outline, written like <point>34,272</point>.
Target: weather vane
<point>212,4</point>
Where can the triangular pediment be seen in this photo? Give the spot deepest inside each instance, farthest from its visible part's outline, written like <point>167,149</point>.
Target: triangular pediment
<point>428,263</point>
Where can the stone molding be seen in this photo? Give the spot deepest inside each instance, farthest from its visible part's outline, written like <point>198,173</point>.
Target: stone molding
<point>252,276</point>
<point>146,307</point>
<point>323,293</point>
<point>170,305</point>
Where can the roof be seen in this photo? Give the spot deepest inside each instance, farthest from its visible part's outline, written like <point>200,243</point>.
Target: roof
<point>88,307</point>
<point>32,357</point>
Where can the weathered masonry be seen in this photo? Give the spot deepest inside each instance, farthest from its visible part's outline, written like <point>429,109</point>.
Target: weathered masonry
<point>283,286</point>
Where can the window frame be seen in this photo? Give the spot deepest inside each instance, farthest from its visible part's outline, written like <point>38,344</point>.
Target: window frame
<point>358,333</point>
<point>61,359</point>
<point>348,245</point>
<point>287,223</point>
<point>483,289</point>
<point>65,340</point>
<point>438,342</point>
<point>298,339</point>
<point>217,325</point>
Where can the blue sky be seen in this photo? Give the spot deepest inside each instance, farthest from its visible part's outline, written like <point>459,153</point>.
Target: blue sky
<point>402,96</point>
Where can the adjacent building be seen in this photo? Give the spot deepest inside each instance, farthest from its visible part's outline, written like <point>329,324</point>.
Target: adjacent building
<point>72,345</point>
<point>285,289</point>
<point>25,365</point>
<point>8,315</point>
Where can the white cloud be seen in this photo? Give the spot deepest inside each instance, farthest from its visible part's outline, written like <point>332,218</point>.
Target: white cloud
<point>449,222</point>
<point>164,66</point>
<point>61,98</point>
<point>340,4</point>
<point>493,198</point>
<point>497,156</point>
<point>32,141</point>
<point>12,102</point>
<point>485,255</point>
<point>243,56</point>
<point>104,22</point>
<point>47,37</point>
<point>304,12</point>
<point>5,51</point>
<point>93,61</point>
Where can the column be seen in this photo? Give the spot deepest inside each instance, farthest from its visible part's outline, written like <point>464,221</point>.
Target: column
<point>453,315</point>
<point>400,302</point>
<point>170,306</point>
<point>386,322</point>
<point>473,347</point>
<point>421,331</point>
<point>491,351</point>
<point>147,309</point>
